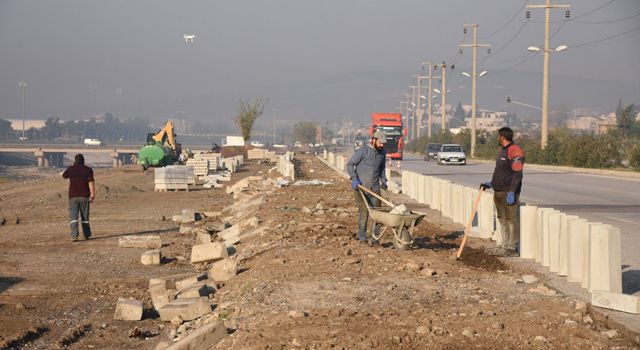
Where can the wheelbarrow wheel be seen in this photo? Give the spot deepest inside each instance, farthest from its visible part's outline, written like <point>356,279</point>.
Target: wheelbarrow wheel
<point>398,242</point>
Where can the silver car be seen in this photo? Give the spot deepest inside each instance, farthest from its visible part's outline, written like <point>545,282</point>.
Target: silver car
<point>451,154</point>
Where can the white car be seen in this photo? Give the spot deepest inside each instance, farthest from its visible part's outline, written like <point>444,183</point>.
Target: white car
<point>257,144</point>
<point>451,154</point>
<point>92,142</point>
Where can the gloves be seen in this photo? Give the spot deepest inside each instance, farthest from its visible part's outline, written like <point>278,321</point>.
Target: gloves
<point>486,185</point>
<point>355,183</point>
<point>384,186</point>
<point>511,198</point>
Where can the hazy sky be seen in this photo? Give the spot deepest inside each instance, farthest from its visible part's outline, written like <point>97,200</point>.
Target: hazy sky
<point>314,59</point>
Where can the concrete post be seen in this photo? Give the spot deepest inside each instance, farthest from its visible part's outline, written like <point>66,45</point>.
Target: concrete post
<point>324,154</point>
<point>555,225</point>
<point>605,269</point>
<point>486,209</point>
<point>541,218</point>
<point>563,260</point>
<point>436,198</point>
<point>550,229</point>
<point>528,232</point>
<point>578,255</point>
<point>422,189</point>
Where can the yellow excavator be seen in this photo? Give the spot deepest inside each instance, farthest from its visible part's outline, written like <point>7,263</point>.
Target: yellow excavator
<point>161,148</point>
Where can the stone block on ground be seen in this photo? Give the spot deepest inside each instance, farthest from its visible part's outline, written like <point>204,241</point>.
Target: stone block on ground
<point>224,270</point>
<point>187,308</point>
<point>616,301</point>
<point>205,337</point>
<point>204,253</point>
<point>187,227</point>
<point>128,310</point>
<point>189,281</point>
<point>160,295</point>
<point>194,292</point>
<point>151,257</point>
<point>146,242</point>
<point>203,238</point>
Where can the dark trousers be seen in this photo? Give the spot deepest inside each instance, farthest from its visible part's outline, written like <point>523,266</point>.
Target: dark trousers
<point>363,214</point>
<point>79,206</point>
<point>508,217</point>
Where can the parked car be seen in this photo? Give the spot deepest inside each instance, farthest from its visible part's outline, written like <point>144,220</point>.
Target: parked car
<point>257,144</point>
<point>92,142</point>
<point>431,152</point>
<point>451,154</point>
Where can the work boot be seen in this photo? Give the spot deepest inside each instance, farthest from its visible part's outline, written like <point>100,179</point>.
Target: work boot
<point>363,242</point>
<point>374,242</point>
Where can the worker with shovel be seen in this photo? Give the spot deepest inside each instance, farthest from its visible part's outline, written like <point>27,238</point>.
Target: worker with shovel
<point>366,168</point>
<point>507,183</point>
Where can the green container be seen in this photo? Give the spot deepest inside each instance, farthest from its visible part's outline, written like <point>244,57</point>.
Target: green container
<point>156,155</point>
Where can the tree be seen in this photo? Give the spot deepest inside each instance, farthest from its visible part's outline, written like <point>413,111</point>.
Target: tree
<point>458,117</point>
<point>248,113</point>
<point>52,129</point>
<point>305,132</point>
<point>626,119</point>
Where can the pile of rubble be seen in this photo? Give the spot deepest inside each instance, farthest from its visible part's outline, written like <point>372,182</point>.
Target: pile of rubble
<point>185,300</point>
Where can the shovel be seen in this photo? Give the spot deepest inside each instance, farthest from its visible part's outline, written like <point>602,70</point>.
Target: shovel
<point>397,209</point>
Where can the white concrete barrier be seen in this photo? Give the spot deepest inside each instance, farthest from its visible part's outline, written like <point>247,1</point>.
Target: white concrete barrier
<point>324,154</point>
<point>543,229</point>
<point>553,232</point>
<point>528,232</point>
<point>605,258</point>
<point>421,189</point>
<point>578,255</point>
<point>563,260</point>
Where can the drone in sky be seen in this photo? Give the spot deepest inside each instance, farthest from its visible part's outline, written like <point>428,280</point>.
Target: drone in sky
<point>189,38</point>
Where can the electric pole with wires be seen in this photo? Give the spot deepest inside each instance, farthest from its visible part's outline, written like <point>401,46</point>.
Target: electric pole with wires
<point>545,70</point>
<point>474,76</point>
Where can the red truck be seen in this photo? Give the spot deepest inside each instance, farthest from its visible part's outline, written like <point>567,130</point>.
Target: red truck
<point>391,124</point>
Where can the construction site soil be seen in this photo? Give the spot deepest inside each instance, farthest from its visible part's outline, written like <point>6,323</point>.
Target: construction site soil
<point>303,283</point>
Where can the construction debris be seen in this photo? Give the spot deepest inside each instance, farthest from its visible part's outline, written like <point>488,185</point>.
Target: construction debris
<point>128,310</point>
<point>146,242</point>
<point>151,257</point>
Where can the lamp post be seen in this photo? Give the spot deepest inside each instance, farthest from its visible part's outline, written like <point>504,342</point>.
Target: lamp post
<point>474,104</point>
<point>274,126</point>
<point>23,86</point>
<point>544,137</point>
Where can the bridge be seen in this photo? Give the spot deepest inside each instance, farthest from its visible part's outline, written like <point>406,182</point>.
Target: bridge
<point>53,155</point>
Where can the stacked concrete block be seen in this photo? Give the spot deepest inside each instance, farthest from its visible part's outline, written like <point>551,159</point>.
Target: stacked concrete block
<point>528,232</point>
<point>554,222</point>
<point>605,257</point>
<point>200,166</point>
<point>173,177</point>
<point>214,160</point>
<point>578,249</point>
<point>563,261</point>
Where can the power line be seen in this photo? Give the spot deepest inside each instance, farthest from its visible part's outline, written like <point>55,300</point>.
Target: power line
<point>582,15</point>
<point>530,56</point>
<point>508,22</point>
<point>610,21</point>
<point>607,38</point>
<point>508,42</point>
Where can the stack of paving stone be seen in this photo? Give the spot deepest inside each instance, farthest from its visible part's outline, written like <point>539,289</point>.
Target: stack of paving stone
<point>215,159</point>
<point>200,166</point>
<point>174,178</point>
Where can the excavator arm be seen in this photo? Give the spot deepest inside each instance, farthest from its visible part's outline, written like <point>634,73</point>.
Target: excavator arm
<point>166,136</point>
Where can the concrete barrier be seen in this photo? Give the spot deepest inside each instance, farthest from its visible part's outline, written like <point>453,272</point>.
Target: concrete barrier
<point>543,229</point>
<point>553,234</point>
<point>563,259</point>
<point>528,232</point>
<point>578,255</point>
<point>605,258</point>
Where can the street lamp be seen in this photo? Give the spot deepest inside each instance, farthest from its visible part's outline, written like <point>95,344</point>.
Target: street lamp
<point>23,86</point>
<point>511,100</point>
<point>545,86</point>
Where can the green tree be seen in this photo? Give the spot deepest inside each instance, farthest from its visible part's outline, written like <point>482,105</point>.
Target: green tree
<point>248,113</point>
<point>305,132</point>
<point>52,129</point>
<point>626,120</point>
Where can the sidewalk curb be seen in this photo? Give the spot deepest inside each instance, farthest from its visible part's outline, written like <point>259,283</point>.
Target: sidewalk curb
<point>627,324</point>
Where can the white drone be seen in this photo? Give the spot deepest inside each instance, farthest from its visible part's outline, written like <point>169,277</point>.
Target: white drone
<point>189,38</point>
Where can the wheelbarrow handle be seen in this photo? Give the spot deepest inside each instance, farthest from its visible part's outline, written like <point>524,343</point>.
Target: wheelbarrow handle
<point>389,203</point>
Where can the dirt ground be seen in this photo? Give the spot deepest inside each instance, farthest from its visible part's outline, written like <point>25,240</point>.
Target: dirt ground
<point>304,283</point>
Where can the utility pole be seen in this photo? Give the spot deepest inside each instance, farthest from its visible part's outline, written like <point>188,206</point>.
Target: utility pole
<point>413,102</point>
<point>545,70</point>
<point>419,105</point>
<point>474,76</point>
<point>429,99</point>
<point>23,86</point>
<point>443,94</point>
<point>406,115</point>
<point>274,126</point>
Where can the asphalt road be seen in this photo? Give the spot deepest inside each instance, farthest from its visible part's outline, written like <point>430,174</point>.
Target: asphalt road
<point>596,198</point>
